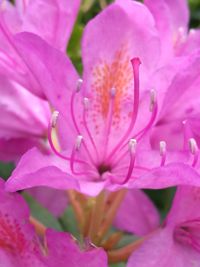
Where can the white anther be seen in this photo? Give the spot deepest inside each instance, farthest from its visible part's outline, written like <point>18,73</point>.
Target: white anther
<point>54,118</point>
<point>79,140</point>
<point>132,145</point>
<point>163,146</point>
<point>152,99</point>
<point>86,103</point>
<point>193,146</point>
<point>113,92</point>
<point>192,32</point>
<point>79,83</point>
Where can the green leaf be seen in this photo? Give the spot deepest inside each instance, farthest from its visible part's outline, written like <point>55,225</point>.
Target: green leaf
<point>41,213</point>
<point>120,264</point>
<point>68,222</point>
<point>6,170</point>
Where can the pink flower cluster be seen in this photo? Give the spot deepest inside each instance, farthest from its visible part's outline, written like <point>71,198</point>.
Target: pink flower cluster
<point>130,121</point>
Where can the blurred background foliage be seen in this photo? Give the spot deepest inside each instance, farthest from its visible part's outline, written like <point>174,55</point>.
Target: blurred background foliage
<point>162,198</point>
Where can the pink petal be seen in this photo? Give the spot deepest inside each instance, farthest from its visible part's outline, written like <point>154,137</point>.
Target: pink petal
<point>170,175</point>
<point>18,244</point>
<point>185,206</point>
<point>23,114</point>
<point>60,75</point>
<point>171,17</point>
<point>107,63</point>
<point>36,169</point>
<point>59,19</point>
<point>191,44</point>
<point>63,249</point>
<point>137,214</point>
<point>160,250</point>
<point>54,200</point>
<point>13,149</point>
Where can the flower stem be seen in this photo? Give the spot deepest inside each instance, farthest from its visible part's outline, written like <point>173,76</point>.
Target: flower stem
<point>110,214</point>
<point>39,227</point>
<point>97,214</point>
<point>123,253</point>
<point>112,240</point>
<point>76,207</point>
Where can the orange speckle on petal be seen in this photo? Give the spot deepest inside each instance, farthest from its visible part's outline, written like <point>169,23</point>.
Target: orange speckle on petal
<point>107,74</point>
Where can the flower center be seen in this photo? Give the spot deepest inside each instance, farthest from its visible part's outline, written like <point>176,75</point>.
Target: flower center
<point>102,168</point>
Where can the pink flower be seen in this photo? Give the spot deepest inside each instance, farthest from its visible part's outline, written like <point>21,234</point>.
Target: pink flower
<point>172,22</point>
<point>25,117</point>
<point>101,128</point>
<point>20,246</point>
<point>177,242</point>
<point>52,20</point>
<point>137,214</point>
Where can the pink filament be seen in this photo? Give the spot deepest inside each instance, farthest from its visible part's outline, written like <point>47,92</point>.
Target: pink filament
<point>56,151</point>
<point>195,159</point>
<point>130,169</point>
<point>76,125</point>
<point>73,160</point>
<point>52,145</point>
<point>163,159</point>
<point>89,133</point>
<point>141,133</point>
<point>149,125</point>
<point>109,122</point>
<point>135,63</point>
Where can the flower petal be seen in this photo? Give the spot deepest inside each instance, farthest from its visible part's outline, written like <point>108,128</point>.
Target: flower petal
<point>19,245</point>
<point>22,113</point>
<point>185,206</point>
<point>107,50</point>
<point>54,200</point>
<point>172,18</point>
<point>137,214</point>
<point>160,250</point>
<point>60,76</point>
<point>59,17</point>
<point>36,169</point>
<point>63,249</point>
<point>172,174</point>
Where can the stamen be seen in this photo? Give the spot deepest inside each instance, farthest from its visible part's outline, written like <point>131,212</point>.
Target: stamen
<point>163,152</point>
<point>79,83</point>
<point>194,150</point>
<point>109,120</point>
<point>85,110</point>
<point>153,107</point>
<point>152,100</point>
<point>132,149</point>
<point>135,64</point>
<point>54,119</point>
<point>51,126</point>
<point>187,133</point>
<point>76,148</point>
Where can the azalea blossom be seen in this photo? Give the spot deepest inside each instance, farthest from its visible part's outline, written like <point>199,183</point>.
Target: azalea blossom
<point>176,242</point>
<point>102,132</point>
<point>25,117</point>
<point>20,245</point>
<point>137,214</point>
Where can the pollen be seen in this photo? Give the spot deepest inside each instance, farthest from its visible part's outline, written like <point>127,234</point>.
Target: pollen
<point>116,73</point>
